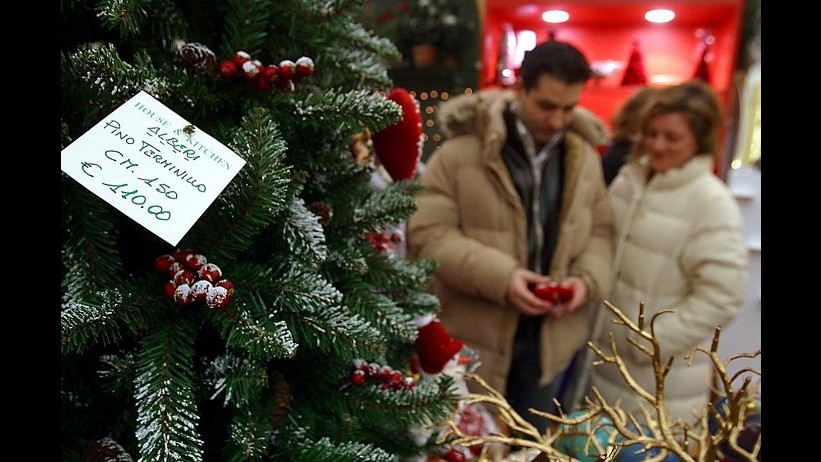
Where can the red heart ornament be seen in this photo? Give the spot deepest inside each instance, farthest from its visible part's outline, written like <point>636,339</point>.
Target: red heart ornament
<point>399,146</point>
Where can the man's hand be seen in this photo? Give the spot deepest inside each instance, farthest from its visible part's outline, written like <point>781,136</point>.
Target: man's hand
<point>578,300</point>
<point>518,293</point>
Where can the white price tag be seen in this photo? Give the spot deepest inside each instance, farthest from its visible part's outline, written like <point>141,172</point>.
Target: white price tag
<point>152,165</point>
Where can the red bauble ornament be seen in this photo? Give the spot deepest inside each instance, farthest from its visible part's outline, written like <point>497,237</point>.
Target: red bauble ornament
<point>182,295</point>
<point>229,286</point>
<point>408,383</point>
<point>163,263</point>
<point>397,237</point>
<point>169,288</point>
<point>250,69</point>
<point>228,69</point>
<point>239,58</point>
<point>358,378</point>
<point>553,292</point>
<point>399,146</point>
<point>193,262</point>
<point>217,298</point>
<point>200,289</point>
<point>304,66</point>
<point>435,347</point>
<point>181,255</point>
<point>287,69</point>
<point>210,272</point>
<point>175,268</point>
<point>184,277</point>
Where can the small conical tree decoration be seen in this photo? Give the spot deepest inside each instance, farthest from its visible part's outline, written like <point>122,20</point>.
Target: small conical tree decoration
<point>634,73</point>
<point>702,71</point>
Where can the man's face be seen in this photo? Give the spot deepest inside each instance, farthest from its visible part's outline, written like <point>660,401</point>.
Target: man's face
<point>547,108</point>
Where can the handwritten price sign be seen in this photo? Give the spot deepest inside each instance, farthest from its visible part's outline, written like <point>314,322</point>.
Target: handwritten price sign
<point>152,165</point>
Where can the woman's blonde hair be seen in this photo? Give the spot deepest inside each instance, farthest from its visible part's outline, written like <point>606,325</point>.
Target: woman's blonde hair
<point>699,105</point>
<point>626,121</point>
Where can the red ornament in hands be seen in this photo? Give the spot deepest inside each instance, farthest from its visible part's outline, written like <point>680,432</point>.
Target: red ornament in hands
<point>399,146</point>
<point>553,292</point>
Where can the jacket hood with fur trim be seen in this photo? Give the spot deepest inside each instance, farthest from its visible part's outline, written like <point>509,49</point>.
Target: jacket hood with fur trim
<point>468,114</point>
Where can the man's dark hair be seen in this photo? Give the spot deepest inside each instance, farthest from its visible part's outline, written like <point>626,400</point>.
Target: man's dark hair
<point>560,60</point>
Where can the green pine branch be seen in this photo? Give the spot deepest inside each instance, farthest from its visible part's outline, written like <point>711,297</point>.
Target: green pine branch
<point>238,379</point>
<point>390,272</point>
<point>385,208</point>
<point>418,304</point>
<point>166,23</point>
<point>253,198</point>
<point>336,331</point>
<point>294,445</point>
<point>90,256</point>
<point>304,236</point>
<point>431,401</point>
<point>164,388</point>
<point>244,324</point>
<point>249,433</point>
<point>124,16</point>
<point>348,109</point>
<point>367,40</point>
<point>369,70</point>
<point>104,318</point>
<point>380,311</point>
<point>246,27</point>
<point>312,308</point>
<point>103,81</point>
<point>118,371</point>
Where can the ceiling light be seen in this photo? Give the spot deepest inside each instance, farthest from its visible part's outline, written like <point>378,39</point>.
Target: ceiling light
<point>659,16</point>
<point>555,16</point>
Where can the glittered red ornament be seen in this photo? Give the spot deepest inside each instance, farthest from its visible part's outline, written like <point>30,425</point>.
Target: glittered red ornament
<point>210,272</point>
<point>182,295</point>
<point>217,298</point>
<point>229,286</point>
<point>193,262</point>
<point>175,268</point>
<point>163,263</point>
<point>200,289</point>
<point>250,69</point>
<point>240,58</point>
<point>184,277</point>
<point>181,255</point>
<point>399,146</point>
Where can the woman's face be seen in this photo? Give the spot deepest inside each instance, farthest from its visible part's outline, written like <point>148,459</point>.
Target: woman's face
<point>668,141</point>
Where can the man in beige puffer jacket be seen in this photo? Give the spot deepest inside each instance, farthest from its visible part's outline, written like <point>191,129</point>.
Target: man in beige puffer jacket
<point>512,199</point>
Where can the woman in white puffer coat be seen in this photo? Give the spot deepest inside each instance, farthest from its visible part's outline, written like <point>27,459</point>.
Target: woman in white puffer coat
<point>680,246</point>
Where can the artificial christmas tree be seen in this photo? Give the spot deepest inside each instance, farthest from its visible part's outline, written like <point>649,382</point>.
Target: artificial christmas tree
<point>634,72</point>
<point>237,342</point>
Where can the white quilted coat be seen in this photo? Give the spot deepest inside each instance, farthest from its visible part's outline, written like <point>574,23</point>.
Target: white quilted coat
<point>680,246</point>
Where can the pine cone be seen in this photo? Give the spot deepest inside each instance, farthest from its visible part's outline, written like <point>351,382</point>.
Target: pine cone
<point>282,400</point>
<point>197,58</point>
<point>105,450</point>
<point>323,210</point>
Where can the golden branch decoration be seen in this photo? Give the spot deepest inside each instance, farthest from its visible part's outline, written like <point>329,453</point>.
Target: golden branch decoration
<point>689,443</point>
